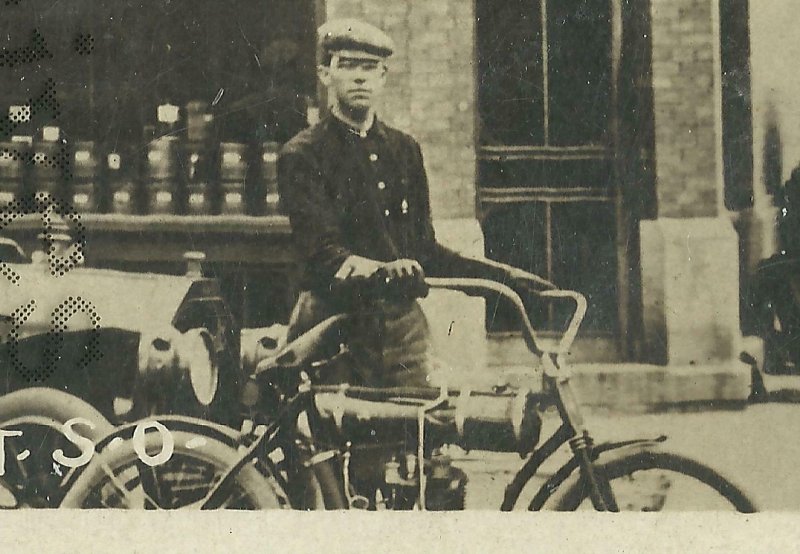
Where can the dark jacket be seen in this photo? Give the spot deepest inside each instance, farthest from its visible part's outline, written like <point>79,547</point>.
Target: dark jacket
<point>347,194</point>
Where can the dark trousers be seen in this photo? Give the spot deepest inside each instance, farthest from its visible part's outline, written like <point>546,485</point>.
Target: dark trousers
<point>389,342</point>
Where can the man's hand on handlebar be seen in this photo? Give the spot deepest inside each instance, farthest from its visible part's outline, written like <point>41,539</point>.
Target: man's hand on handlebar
<point>404,269</point>
<point>357,266</point>
<point>404,279</point>
<point>360,277</point>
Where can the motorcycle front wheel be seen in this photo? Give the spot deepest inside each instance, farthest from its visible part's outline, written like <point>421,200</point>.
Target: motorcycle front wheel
<point>651,481</point>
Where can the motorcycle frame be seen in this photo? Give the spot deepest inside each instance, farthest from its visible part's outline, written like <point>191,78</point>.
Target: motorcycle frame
<point>557,392</point>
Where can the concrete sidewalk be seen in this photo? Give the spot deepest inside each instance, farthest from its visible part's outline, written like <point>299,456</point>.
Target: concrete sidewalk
<point>641,388</point>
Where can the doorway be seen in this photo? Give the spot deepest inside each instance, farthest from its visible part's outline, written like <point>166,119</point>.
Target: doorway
<point>565,149</point>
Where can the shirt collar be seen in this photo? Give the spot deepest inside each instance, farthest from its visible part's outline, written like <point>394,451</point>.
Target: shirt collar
<point>377,129</point>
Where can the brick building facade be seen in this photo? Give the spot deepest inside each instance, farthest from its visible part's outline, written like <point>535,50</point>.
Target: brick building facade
<point>629,149</point>
<point>685,139</point>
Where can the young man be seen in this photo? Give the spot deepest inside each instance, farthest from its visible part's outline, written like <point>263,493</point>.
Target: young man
<point>356,193</point>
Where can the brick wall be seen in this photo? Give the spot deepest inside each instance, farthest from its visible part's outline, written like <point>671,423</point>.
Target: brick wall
<point>685,86</point>
<point>431,88</point>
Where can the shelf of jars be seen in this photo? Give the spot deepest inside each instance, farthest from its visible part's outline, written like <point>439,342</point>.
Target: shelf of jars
<point>180,189</point>
<point>142,205</point>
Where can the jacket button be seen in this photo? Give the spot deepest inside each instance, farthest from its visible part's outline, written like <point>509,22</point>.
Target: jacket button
<point>373,157</point>
<point>386,212</point>
<point>381,185</point>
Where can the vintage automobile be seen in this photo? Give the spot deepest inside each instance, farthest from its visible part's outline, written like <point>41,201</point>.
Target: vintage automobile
<point>123,342</point>
<point>104,346</point>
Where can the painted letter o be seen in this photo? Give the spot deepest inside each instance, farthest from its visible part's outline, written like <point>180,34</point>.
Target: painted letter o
<point>139,443</point>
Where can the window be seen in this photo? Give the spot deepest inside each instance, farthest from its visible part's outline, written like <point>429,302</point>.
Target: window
<point>511,102</point>
<point>544,72</point>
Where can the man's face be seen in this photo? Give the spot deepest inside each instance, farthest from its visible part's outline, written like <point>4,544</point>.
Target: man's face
<point>355,78</point>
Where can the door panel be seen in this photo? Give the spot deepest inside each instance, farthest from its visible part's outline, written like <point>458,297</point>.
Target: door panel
<point>547,152</point>
<point>579,76</point>
<point>510,72</point>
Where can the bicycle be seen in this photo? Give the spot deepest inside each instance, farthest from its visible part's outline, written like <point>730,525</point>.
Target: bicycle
<point>307,445</point>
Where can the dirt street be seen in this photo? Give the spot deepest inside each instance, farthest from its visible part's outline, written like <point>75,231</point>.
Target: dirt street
<point>758,448</point>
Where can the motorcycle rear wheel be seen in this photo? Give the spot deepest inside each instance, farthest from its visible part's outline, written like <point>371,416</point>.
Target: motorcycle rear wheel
<point>117,478</point>
<point>32,478</point>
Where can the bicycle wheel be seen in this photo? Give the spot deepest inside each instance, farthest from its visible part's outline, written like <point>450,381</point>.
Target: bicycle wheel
<point>32,478</point>
<point>117,478</point>
<point>655,481</point>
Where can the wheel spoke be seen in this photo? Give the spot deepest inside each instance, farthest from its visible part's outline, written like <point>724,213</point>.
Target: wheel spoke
<point>150,481</point>
<point>23,471</point>
<point>215,495</point>
<point>126,494</point>
<point>30,472</point>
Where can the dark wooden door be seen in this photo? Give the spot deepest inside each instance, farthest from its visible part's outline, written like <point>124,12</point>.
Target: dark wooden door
<point>556,96</point>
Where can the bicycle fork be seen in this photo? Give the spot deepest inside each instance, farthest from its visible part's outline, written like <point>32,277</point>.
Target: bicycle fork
<point>581,444</point>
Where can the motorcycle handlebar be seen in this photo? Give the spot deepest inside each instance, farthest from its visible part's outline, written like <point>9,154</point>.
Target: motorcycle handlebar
<point>379,286</point>
<point>529,333</point>
<point>363,290</point>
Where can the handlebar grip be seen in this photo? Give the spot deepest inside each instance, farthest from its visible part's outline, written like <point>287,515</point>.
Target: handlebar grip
<point>378,286</point>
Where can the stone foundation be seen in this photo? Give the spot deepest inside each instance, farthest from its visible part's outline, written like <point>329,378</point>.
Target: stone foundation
<point>690,282</point>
